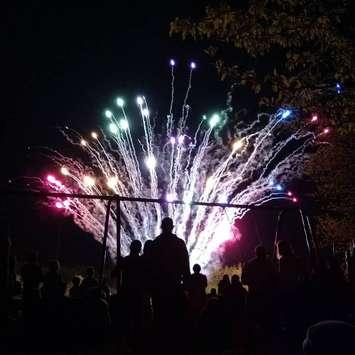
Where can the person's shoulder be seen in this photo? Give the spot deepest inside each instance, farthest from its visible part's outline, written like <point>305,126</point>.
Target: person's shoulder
<point>157,239</point>
<point>178,240</point>
<point>251,261</point>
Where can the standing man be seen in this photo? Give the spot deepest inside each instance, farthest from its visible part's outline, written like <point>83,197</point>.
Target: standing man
<point>171,271</point>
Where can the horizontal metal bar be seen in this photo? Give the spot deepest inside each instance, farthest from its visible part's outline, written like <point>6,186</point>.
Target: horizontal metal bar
<point>141,199</point>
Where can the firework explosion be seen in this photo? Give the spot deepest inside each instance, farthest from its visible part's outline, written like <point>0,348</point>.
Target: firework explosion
<point>250,166</point>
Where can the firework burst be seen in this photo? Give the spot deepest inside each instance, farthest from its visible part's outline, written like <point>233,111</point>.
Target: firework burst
<point>252,166</point>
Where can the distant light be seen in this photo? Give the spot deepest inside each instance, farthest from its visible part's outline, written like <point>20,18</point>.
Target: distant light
<point>58,205</point>
<point>278,187</point>
<point>326,130</point>
<point>314,118</point>
<point>145,112</point>
<point>172,62</point>
<point>193,65</point>
<point>271,182</point>
<point>170,197</point>
<point>214,120</point>
<point>289,193</point>
<point>286,113</point>
<point>108,114</point>
<point>295,200</point>
<point>338,88</point>
<point>181,139</point>
<point>112,182</point>
<point>83,142</point>
<point>151,162</point>
<point>204,117</point>
<point>51,179</point>
<point>64,170</point>
<point>124,124</point>
<point>120,102</point>
<point>237,145</point>
<point>113,128</point>
<point>94,135</point>
<point>140,101</point>
<point>66,203</point>
<point>88,181</point>
<point>172,140</point>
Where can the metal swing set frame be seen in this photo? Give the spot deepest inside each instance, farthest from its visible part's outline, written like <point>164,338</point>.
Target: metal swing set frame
<point>310,240</point>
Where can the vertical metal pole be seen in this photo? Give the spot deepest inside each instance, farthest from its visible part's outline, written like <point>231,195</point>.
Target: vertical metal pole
<point>314,239</point>
<point>118,241</point>
<point>104,242</point>
<point>118,225</point>
<point>305,232</point>
<point>277,233</point>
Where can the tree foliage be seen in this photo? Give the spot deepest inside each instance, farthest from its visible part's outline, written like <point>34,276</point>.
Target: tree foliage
<point>293,53</point>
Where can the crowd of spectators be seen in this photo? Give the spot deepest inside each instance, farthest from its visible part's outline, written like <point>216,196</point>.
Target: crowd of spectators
<point>276,306</point>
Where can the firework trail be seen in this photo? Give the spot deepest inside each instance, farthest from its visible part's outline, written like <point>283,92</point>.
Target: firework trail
<point>252,167</point>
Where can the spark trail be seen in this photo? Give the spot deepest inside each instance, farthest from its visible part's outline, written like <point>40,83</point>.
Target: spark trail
<point>252,167</point>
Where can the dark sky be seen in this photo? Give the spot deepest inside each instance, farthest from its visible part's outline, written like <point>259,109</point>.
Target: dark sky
<point>65,64</point>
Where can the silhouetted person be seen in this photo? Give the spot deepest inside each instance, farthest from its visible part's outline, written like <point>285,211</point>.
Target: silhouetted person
<point>5,252</point>
<point>170,257</point>
<point>12,273</point>
<point>289,274</point>
<point>32,276</point>
<point>197,290</point>
<point>223,286</point>
<point>131,267</point>
<point>147,272</point>
<point>329,338</point>
<point>236,297</point>
<point>288,265</point>
<point>52,282</point>
<point>106,291</point>
<point>260,276</point>
<point>75,291</point>
<point>96,319</point>
<point>351,269</point>
<point>213,294</point>
<point>88,282</point>
<point>55,308</point>
<point>171,269</point>
<point>132,288</point>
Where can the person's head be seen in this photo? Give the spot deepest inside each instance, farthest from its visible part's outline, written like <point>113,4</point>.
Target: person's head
<point>32,257</point>
<point>196,268</point>
<point>147,249</point>
<point>213,292</point>
<point>54,266</point>
<point>90,272</point>
<point>283,249</point>
<point>135,247</point>
<point>235,279</point>
<point>167,225</point>
<point>225,278</point>
<point>76,281</point>
<point>330,337</point>
<point>260,252</point>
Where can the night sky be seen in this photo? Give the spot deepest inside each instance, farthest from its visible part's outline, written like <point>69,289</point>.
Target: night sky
<point>63,66</point>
